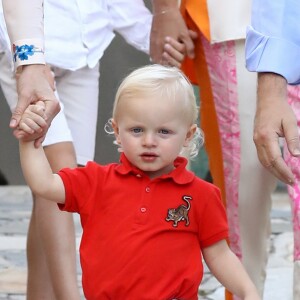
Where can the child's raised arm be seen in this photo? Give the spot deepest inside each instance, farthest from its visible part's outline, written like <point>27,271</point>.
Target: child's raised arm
<point>35,166</point>
<point>227,268</point>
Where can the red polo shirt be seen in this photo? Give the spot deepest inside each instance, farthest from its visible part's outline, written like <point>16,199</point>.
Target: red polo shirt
<point>131,247</point>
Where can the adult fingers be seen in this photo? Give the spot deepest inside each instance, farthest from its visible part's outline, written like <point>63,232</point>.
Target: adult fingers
<point>52,108</point>
<point>18,112</point>
<point>193,34</point>
<point>291,134</point>
<point>189,45</point>
<point>269,154</point>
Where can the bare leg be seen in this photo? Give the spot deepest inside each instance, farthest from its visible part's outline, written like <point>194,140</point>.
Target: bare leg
<point>38,279</point>
<point>52,235</point>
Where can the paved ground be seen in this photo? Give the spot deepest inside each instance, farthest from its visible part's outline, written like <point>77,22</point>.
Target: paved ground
<point>15,207</point>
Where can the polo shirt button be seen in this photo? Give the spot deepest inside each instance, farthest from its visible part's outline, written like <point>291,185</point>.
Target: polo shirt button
<point>138,175</point>
<point>147,189</point>
<point>143,209</point>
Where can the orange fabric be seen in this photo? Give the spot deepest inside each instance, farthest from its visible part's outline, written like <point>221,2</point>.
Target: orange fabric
<point>197,9</point>
<point>208,116</point>
<point>209,122</point>
<point>197,72</point>
<point>199,21</point>
<point>188,64</point>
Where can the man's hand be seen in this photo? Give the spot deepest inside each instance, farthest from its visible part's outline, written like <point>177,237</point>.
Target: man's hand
<point>35,83</point>
<point>168,22</point>
<point>274,119</point>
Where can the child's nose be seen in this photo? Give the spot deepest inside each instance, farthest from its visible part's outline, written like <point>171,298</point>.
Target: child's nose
<point>149,140</point>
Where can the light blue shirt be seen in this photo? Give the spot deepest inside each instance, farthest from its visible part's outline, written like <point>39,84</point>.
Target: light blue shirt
<point>273,39</point>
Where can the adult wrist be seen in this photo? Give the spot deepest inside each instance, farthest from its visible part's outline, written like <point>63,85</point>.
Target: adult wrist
<point>271,86</point>
<point>163,6</point>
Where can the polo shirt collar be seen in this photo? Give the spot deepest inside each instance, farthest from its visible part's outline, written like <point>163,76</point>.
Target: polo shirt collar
<point>180,175</point>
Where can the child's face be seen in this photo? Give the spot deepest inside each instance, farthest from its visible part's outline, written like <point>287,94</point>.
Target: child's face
<point>152,132</point>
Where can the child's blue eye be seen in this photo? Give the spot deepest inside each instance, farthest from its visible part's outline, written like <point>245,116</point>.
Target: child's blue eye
<point>164,131</point>
<point>136,130</point>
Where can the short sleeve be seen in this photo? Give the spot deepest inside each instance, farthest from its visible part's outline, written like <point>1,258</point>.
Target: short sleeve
<point>213,225</point>
<point>81,184</point>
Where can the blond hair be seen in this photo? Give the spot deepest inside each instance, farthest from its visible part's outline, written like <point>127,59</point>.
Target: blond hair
<point>164,82</point>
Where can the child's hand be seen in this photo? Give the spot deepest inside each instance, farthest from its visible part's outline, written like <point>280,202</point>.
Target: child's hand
<point>34,83</point>
<point>175,51</point>
<point>32,122</point>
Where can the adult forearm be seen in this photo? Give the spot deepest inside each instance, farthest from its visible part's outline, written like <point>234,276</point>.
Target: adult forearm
<point>24,19</point>
<point>25,26</point>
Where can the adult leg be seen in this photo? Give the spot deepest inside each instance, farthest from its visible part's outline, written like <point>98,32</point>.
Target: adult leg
<point>247,185</point>
<point>294,192</point>
<point>43,283</point>
<point>56,235</point>
<point>255,183</point>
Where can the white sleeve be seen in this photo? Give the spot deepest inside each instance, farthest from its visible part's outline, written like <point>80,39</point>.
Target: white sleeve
<point>27,34</point>
<point>132,20</point>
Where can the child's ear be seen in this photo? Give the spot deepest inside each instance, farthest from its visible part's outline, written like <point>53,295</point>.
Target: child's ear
<point>189,135</point>
<point>115,127</point>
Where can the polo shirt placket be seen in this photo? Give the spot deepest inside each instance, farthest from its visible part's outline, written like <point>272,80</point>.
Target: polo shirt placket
<point>144,207</point>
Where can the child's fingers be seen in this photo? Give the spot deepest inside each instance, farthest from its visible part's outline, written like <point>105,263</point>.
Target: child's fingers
<point>24,126</point>
<point>19,134</point>
<point>175,54</point>
<point>176,45</point>
<point>30,126</point>
<point>168,60</point>
<point>22,135</point>
<point>31,123</point>
<point>37,117</point>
